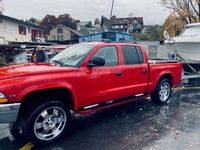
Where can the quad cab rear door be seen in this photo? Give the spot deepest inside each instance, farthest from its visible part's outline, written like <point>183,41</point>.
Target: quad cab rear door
<point>135,71</point>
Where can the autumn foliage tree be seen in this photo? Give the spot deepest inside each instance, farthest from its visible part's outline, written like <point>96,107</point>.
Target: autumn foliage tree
<point>49,21</point>
<point>173,26</point>
<point>183,12</point>
<point>68,21</point>
<point>186,10</point>
<point>97,21</point>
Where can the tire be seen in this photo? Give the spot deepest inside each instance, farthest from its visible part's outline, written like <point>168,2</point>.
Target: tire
<point>162,92</point>
<point>46,122</point>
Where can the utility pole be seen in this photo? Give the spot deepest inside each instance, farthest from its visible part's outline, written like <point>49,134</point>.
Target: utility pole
<point>109,23</point>
<point>111,9</point>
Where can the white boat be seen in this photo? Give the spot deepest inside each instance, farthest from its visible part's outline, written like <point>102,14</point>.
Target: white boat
<point>187,44</point>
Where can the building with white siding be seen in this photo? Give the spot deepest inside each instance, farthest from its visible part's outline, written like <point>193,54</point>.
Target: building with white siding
<point>15,30</point>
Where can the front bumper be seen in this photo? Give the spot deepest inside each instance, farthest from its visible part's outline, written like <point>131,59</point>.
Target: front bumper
<point>9,112</point>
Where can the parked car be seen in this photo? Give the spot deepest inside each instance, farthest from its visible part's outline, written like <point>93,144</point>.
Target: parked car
<point>55,49</point>
<point>83,78</point>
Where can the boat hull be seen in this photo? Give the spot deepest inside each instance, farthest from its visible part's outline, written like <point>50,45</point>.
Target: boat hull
<point>189,51</point>
<point>187,45</point>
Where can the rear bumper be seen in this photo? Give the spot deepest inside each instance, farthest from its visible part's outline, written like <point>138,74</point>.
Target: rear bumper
<point>9,112</point>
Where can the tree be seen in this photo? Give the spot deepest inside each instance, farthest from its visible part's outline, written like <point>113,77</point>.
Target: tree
<point>68,21</point>
<point>96,21</point>
<point>155,32</point>
<point>32,20</point>
<point>140,36</point>
<point>173,26</point>
<point>113,17</point>
<point>187,10</point>
<point>104,21</point>
<point>152,32</point>
<point>89,25</point>
<point>49,21</point>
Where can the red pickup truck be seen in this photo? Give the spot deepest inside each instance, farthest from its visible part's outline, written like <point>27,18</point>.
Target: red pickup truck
<point>82,78</point>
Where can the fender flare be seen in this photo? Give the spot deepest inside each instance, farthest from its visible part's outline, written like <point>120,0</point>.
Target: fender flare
<point>47,86</point>
<point>163,73</point>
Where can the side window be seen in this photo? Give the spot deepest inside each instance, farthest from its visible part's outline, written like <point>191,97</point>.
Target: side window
<point>130,55</point>
<point>109,53</point>
<point>140,55</point>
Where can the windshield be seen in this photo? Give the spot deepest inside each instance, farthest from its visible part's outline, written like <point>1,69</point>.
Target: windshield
<point>72,56</point>
<point>192,30</point>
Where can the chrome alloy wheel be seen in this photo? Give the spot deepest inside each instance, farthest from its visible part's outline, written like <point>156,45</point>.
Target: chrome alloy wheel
<point>164,91</point>
<point>50,123</point>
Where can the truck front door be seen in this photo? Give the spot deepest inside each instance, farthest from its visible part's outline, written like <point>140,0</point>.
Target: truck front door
<point>100,83</point>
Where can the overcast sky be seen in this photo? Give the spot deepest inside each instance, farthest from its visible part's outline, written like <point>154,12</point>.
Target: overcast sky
<point>87,10</point>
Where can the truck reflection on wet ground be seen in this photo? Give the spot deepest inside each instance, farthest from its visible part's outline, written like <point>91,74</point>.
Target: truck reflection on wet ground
<point>139,125</point>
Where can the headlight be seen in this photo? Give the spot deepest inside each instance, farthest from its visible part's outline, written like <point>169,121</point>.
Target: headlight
<point>3,98</point>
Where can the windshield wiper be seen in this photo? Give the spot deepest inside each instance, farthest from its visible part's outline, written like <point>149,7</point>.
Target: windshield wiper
<point>58,62</point>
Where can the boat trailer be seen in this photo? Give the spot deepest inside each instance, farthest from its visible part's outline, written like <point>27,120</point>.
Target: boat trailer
<point>185,75</point>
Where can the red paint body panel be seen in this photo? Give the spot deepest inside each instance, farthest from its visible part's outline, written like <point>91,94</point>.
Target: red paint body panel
<point>88,85</point>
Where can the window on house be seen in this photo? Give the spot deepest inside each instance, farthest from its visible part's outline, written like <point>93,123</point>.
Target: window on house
<point>22,30</point>
<point>54,37</point>
<point>58,38</point>
<point>59,30</point>
<point>61,37</point>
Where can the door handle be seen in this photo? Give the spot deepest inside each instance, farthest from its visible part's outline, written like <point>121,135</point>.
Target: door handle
<point>144,71</point>
<point>118,74</point>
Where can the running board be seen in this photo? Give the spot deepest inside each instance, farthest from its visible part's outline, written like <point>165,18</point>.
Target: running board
<point>108,104</point>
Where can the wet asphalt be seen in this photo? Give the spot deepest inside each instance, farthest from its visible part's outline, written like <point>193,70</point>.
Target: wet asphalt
<point>140,125</point>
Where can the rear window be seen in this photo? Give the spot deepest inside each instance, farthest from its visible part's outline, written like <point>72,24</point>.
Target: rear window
<point>132,55</point>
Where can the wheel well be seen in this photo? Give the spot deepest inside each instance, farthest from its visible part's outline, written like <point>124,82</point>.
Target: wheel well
<point>167,76</point>
<point>36,97</point>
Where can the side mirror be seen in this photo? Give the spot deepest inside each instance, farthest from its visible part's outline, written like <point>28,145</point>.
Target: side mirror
<point>97,61</point>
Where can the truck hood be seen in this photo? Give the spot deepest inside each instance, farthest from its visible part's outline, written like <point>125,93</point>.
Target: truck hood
<point>31,69</point>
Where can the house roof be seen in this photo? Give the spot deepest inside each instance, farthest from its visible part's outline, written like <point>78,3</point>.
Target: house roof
<point>70,29</point>
<point>84,32</point>
<point>126,20</point>
<point>21,22</point>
